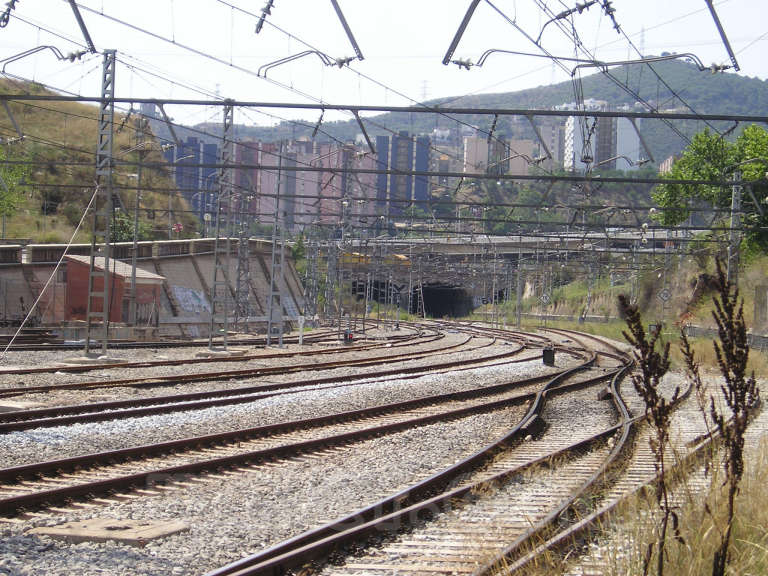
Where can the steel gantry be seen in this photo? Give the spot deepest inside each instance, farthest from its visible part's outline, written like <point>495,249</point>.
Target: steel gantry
<point>277,271</point>
<point>97,321</point>
<point>311,286</point>
<point>243,288</point>
<point>220,290</point>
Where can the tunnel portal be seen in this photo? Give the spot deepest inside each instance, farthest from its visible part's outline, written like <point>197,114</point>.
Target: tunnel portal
<point>442,300</point>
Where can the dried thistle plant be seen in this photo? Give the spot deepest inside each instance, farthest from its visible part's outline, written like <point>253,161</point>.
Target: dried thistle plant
<point>693,374</point>
<point>652,365</point>
<point>741,396</point>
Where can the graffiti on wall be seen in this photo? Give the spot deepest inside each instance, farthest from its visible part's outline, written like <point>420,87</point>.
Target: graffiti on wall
<point>191,300</point>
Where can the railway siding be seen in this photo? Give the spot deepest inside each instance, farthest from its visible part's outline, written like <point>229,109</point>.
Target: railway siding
<point>470,464</point>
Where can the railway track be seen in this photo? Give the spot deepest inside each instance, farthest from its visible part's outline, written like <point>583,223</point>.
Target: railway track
<point>492,509</point>
<point>490,536</point>
<point>24,487</point>
<point>692,443</point>
<point>499,462</point>
<point>136,407</point>
<point>260,371</point>
<point>45,343</point>
<point>393,342</point>
<point>471,517</point>
<point>478,527</point>
<point>697,482</point>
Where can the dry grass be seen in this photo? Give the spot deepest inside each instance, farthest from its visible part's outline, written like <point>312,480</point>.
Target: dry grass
<point>705,352</point>
<point>702,519</point>
<point>705,355</point>
<point>28,222</point>
<point>623,542</point>
<point>61,139</point>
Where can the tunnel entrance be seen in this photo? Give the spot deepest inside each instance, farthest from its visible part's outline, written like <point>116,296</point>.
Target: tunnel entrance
<point>441,300</point>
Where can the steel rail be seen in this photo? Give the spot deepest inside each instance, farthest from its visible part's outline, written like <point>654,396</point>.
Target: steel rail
<point>542,530</point>
<point>14,504</point>
<point>597,478</point>
<point>277,564</point>
<point>132,408</point>
<point>125,345</point>
<point>615,353</point>
<point>403,507</point>
<point>170,362</point>
<point>29,470</point>
<point>586,525</point>
<point>399,341</point>
<point>698,450</point>
<point>220,375</point>
<point>318,335</point>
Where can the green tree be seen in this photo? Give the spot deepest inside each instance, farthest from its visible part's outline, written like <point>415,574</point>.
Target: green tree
<point>122,229</point>
<point>712,158</point>
<point>12,178</point>
<point>298,250</point>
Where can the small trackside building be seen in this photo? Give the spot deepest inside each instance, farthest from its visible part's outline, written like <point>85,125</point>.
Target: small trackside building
<point>148,287</point>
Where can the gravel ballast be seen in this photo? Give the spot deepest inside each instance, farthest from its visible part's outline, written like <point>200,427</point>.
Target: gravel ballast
<point>234,513</point>
<point>248,511</point>
<point>29,446</point>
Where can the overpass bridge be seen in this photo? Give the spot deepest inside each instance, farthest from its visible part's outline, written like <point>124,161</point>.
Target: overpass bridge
<point>458,273</point>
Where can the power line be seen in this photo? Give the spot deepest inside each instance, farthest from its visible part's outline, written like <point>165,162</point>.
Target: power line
<point>198,52</point>
<point>404,109</point>
<point>425,173</point>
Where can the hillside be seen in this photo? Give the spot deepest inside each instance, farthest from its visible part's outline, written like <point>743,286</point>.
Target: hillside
<point>683,87</point>
<point>59,144</point>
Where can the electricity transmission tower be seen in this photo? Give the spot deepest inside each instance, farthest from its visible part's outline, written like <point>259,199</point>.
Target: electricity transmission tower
<point>97,321</point>
<point>220,290</point>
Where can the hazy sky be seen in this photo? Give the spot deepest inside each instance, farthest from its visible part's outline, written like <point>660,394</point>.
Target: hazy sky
<point>403,43</point>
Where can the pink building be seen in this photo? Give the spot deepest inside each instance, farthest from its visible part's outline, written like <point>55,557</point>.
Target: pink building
<point>307,196</point>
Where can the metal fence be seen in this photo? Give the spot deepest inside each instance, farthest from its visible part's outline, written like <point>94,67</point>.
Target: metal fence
<point>755,341</point>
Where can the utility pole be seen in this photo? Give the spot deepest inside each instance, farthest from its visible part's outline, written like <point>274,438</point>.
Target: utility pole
<point>243,287</point>
<point>494,312</point>
<point>141,126</point>
<point>222,246</point>
<point>410,277</point>
<point>310,277</point>
<point>519,288</point>
<point>484,269</point>
<point>634,279</point>
<point>330,279</point>
<point>734,238</point>
<point>340,264</point>
<point>276,280</point>
<point>421,311</point>
<point>367,291</point>
<point>102,216</point>
<point>367,296</point>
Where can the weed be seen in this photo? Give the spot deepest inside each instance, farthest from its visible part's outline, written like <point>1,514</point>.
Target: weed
<point>741,396</point>
<point>693,373</point>
<point>652,366</point>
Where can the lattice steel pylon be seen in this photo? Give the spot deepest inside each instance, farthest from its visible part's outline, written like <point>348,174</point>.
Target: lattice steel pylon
<point>243,288</point>
<point>420,311</point>
<point>310,281</point>
<point>734,236</point>
<point>330,279</point>
<point>97,321</point>
<point>277,278</point>
<point>220,291</point>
